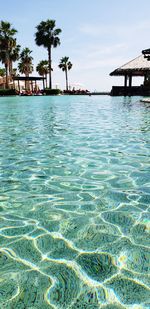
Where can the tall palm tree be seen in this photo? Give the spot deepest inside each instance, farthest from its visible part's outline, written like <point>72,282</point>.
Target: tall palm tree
<point>25,65</point>
<point>43,69</point>
<point>65,65</point>
<point>7,42</point>
<point>14,56</point>
<point>47,36</point>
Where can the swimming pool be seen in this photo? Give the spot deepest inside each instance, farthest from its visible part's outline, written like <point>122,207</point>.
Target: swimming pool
<point>74,202</point>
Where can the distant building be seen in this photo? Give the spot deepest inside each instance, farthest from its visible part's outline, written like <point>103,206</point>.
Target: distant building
<point>139,66</point>
<point>3,82</point>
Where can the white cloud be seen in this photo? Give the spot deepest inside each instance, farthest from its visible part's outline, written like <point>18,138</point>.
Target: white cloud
<point>99,29</point>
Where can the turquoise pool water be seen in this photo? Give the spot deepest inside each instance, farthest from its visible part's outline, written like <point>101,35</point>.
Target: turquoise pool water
<point>74,202</point>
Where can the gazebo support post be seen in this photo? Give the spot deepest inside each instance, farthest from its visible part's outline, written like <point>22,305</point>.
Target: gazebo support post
<point>13,84</point>
<point>125,84</point>
<point>125,81</point>
<point>130,85</point>
<point>145,79</point>
<point>130,81</point>
<point>18,86</point>
<point>35,86</point>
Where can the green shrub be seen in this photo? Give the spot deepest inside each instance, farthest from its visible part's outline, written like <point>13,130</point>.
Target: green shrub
<point>6,92</point>
<point>48,91</point>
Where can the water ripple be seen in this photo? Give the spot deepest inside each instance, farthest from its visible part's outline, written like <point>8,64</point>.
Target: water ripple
<point>74,203</point>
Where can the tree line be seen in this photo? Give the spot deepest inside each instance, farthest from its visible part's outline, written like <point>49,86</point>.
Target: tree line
<point>46,35</point>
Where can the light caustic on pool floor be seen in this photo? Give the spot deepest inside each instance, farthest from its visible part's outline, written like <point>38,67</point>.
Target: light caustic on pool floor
<point>74,205</point>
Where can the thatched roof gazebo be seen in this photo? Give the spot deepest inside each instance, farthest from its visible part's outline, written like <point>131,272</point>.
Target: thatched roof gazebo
<point>140,66</point>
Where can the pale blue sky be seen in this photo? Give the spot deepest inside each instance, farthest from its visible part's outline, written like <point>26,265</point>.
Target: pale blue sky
<point>98,35</point>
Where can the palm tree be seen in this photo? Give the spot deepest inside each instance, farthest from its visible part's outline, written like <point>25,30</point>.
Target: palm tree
<point>65,65</point>
<point>47,36</point>
<point>25,65</point>
<point>43,69</point>
<point>7,42</point>
<point>14,56</point>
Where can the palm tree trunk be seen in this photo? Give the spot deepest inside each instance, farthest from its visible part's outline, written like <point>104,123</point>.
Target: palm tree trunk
<point>66,73</point>
<point>46,80</point>
<point>43,83</point>
<point>50,67</point>
<point>32,86</point>
<point>18,85</point>
<point>27,84</point>
<point>10,70</point>
<point>6,68</point>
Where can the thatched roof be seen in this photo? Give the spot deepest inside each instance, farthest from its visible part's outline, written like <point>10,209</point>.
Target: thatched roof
<point>136,67</point>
